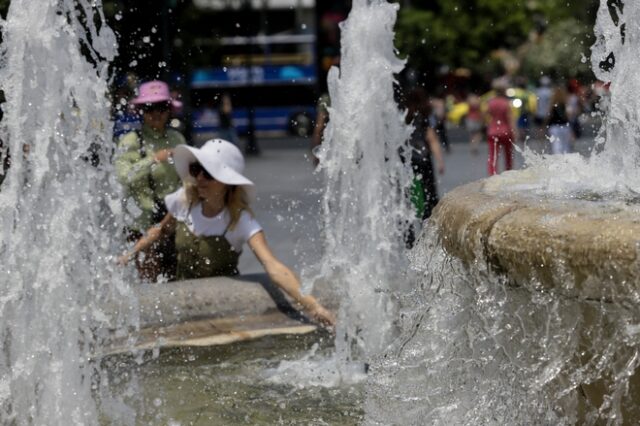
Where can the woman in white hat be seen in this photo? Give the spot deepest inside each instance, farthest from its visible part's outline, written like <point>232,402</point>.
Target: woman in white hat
<point>212,220</point>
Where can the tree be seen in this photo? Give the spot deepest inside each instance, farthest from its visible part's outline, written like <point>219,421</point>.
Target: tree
<point>460,33</point>
<point>465,33</point>
<point>560,53</point>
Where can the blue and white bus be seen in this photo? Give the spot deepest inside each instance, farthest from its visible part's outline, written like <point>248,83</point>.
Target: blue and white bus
<point>274,76</point>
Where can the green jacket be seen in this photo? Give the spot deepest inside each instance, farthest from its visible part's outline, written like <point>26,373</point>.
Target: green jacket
<point>145,181</point>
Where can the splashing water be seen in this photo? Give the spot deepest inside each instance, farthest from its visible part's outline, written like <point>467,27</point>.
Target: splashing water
<point>616,156</point>
<point>614,61</point>
<point>58,212</point>
<point>481,349</point>
<point>365,208</point>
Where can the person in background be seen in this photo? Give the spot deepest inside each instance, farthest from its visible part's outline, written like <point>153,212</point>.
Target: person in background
<point>500,127</point>
<point>574,106</point>
<point>322,119</point>
<point>474,122</point>
<point>125,116</point>
<point>425,146</point>
<point>177,120</point>
<point>211,220</point>
<point>523,123</point>
<point>143,167</point>
<point>439,122</point>
<point>543,104</point>
<point>225,115</point>
<point>560,131</point>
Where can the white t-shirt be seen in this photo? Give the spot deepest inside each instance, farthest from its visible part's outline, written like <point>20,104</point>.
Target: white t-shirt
<point>201,225</point>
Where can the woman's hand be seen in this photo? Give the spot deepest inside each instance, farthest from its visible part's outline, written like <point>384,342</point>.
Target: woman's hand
<point>322,316</point>
<point>286,280</point>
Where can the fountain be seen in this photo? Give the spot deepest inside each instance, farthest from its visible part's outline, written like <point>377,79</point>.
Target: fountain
<point>58,214</point>
<point>365,178</point>
<point>528,306</point>
<point>525,311</point>
<point>82,347</point>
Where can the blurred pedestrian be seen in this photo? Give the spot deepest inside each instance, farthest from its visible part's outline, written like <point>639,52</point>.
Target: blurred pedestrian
<point>525,117</point>
<point>322,119</point>
<point>500,127</point>
<point>439,122</point>
<point>177,120</point>
<point>543,104</point>
<point>560,131</point>
<point>211,219</point>
<point>474,122</point>
<point>225,115</point>
<point>143,166</point>
<point>126,117</point>
<point>574,106</point>
<point>425,147</point>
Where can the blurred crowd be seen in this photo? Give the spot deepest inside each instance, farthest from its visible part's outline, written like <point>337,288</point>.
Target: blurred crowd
<point>548,110</point>
<point>513,111</point>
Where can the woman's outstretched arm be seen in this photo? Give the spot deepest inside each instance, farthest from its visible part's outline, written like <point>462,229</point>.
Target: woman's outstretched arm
<point>284,278</point>
<point>153,234</point>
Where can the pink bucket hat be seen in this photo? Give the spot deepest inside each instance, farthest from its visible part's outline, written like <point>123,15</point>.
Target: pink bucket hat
<point>153,92</point>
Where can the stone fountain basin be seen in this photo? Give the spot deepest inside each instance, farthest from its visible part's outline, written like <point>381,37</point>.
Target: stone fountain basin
<point>580,248</point>
<point>583,250</point>
<point>214,311</point>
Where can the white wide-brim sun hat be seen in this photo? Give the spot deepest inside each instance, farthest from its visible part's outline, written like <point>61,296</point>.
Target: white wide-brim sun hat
<point>222,159</point>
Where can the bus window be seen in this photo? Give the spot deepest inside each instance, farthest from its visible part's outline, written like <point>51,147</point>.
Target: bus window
<point>270,77</point>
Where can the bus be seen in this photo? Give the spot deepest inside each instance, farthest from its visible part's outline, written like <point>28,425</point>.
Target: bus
<point>270,73</point>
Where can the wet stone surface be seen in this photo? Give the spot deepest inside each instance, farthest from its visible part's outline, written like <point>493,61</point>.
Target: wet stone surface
<point>232,384</point>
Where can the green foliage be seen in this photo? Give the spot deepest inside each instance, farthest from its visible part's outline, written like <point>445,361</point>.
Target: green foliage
<point>466,33</point>
<point>559,10</point>
<point>561,53</point>
<point>460,33</point>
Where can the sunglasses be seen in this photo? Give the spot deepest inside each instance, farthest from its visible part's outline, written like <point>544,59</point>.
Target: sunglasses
<point>196,168</point>
<point>158,106</point>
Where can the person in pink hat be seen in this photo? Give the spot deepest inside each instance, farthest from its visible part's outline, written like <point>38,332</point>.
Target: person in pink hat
<point>143,166</point>
<point>211,220</point>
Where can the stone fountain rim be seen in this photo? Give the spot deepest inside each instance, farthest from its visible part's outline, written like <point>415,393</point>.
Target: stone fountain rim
<point>580,245</point>
<point>214,311</point>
